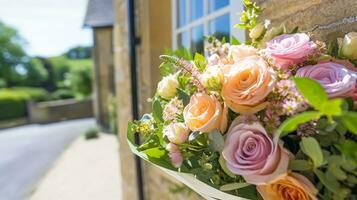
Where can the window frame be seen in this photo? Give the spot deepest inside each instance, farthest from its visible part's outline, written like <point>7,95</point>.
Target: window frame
<point>233,9</point>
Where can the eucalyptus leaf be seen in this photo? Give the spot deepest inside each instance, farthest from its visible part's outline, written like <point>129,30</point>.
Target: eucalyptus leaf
<point>311,147</point>
<point>233,186</point>
<point>216,141</point>
<point>312,91</point>
<point>291,124</point>
<point>349,119</point>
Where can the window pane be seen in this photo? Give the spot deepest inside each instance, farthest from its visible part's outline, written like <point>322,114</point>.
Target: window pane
<point>214,5</point>
<point>182,39</point>
<point>181,13</point>
<point>197,39</point>
<point>220,27</point>
<point>196,10</point>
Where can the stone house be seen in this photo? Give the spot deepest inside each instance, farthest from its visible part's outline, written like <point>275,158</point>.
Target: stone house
<point>142,29</point>
<point>100,17</point>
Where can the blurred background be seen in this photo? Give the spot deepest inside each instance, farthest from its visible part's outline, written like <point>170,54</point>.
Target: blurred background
<point>74,72</point>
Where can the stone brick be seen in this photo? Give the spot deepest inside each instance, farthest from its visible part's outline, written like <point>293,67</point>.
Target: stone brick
<point>326,19</point>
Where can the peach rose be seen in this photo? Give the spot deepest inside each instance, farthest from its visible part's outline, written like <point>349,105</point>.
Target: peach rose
<point>291,186</point>
<point>248,82</point>
<point>205,113</point>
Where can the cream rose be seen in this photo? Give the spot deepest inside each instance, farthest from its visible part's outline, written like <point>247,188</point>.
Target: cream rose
<point>167,87</point>
<point>349,46</point>
<point>291,186</point>
<point>247,84</point>
<point>205,113</point>
<point>176,133</point>
<point>238,52</point>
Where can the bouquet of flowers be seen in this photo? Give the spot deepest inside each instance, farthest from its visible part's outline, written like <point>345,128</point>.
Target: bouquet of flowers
<point>272,118</point>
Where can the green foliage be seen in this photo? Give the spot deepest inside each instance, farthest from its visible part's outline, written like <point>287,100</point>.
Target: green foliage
<point>80,52</point>
<point>167,68</point>
<point>91,133</point>
<point>13,101</point>
<point>80,81</point>
<point>11,53</point>
<point>216,141</point>
<point>249,15</point>
<point>62,94</point>
<point>311,147</point>
<point>291,124</point>
<point>312,91</point>
<point>349,119</point>
<point>233,186</point>
<point>12,104</point>
<point>36,74</point>
<point>157,110</point>
<point>200,62</point>
<point>300,165</point>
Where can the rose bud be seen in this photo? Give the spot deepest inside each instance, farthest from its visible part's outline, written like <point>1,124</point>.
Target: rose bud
<point>213,78</point>
<point>349,46</point>
<point>177,133</point>
<point>257,31</point>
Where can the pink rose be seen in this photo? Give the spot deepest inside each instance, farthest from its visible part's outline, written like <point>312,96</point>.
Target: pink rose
<point>250,152</point>
<point>290,49</point>
<point>175,155</point>
<point>337,80</point>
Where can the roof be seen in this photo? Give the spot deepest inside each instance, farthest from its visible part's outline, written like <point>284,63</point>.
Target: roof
<point>100,13</point>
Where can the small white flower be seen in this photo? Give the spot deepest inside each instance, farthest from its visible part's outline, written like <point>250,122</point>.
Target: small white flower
<point>349,46</point>
<point>213,78</point>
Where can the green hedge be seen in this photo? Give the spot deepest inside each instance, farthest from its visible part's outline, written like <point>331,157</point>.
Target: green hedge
<point>13,101</point>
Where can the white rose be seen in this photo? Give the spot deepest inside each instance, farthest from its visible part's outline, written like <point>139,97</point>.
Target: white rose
<point>349,46</point>
<point>237,52</point>
<point>177,133</point>
<point>167,86</point>
<point>213,78</point>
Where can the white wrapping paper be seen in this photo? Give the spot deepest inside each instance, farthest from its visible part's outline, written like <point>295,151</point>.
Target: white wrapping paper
<point>201,188</point>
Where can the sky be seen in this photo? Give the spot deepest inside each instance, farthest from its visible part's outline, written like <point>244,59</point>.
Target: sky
<point>50,27</point>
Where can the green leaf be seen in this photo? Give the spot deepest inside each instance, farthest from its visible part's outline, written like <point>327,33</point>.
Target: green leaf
<point>349,120</point>
<point>292,123</point>
<point>312,91</point>
<point>348,149</point>
<point>200,62</point>
<point>233,186</point>
<point>311,147</point>
<point>224,167</point>
<point>295,30</point>
<point>216,141</point>
<point>183,96</point>
<point>157,110</point>
<point>329,183</point>
<point>234,41</point>
<point>300,165</point>
<point>332,107</point>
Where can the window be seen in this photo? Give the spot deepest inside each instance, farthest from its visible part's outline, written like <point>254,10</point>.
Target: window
<point>193,19</point>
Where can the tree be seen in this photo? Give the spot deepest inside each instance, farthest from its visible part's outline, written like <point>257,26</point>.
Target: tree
<point>79,52</point>
<point>11,54</point>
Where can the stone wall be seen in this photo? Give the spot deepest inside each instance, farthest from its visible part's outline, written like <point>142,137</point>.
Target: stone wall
<point>327,19</point>
<point>104,74</point>
<point>52,111</point>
